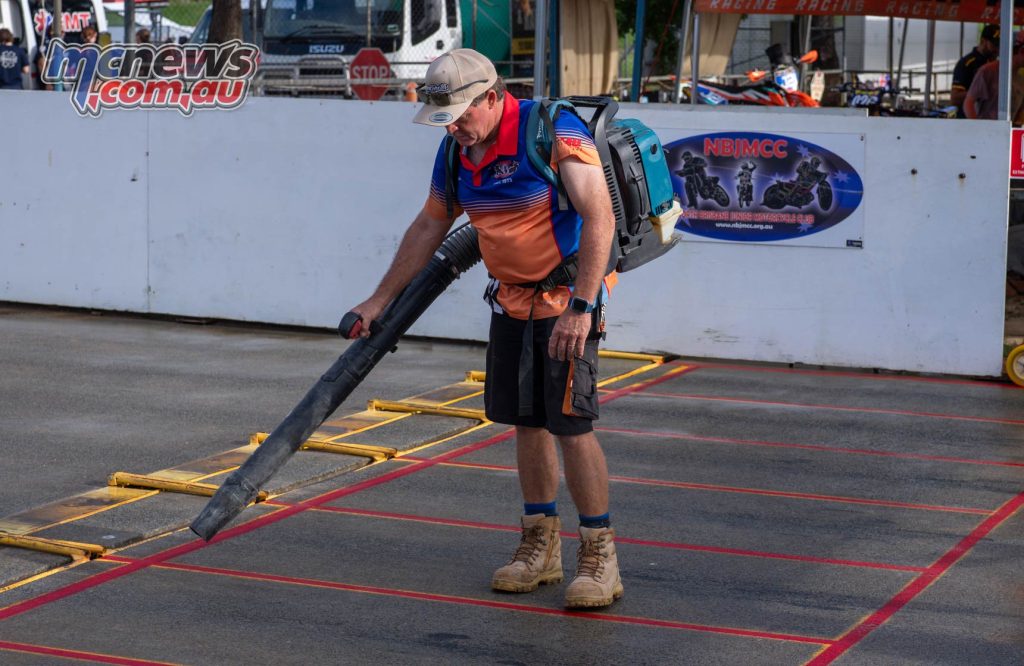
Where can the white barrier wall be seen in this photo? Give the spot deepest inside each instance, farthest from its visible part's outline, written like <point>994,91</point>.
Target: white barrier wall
<point>288,211</point>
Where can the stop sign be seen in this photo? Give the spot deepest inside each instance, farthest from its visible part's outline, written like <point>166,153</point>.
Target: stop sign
<point>369,64</point>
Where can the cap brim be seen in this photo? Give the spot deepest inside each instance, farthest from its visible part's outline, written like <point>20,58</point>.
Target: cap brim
<point>440,116</point>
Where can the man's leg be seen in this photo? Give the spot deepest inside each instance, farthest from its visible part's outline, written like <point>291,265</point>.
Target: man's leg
<point>597,582</point>
<point>537,461</point>
<point>538,559</point>
<point>586,473</point>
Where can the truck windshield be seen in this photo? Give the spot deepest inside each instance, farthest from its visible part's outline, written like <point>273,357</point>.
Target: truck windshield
<point>317,19</point>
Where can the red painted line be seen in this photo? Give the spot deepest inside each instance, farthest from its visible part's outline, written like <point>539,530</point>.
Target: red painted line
<point>488,603</point>
<point>95,657</point>
<point>810,447</point>
<point>621,539</point>
<point>270,518</point>
<point>238,530</point>
<point>802,496</point>
<point>678,371</point>
<point>918,585</point>
<point>855,375</point>
<point>865,410</point>
<point>748,491</point>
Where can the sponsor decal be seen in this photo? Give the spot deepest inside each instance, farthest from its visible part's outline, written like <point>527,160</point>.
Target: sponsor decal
<point>436,89</point>
<point>184,77</point>
<point>70,21</point>
<point>752,186</point>
<point>326,48</point>
<point>441,117</point>
<point>505,169</point>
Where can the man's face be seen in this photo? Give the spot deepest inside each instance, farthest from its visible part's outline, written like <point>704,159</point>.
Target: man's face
<point>988,47</point>
<point>475,124</point>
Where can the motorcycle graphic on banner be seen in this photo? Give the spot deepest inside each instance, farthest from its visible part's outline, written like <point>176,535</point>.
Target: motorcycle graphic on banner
<point>758,187</point>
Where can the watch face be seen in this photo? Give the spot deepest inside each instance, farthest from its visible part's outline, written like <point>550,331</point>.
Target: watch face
<point>579,305</point>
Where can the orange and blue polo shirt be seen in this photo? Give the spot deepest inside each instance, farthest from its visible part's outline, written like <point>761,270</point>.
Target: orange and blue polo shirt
<point>523,235</point>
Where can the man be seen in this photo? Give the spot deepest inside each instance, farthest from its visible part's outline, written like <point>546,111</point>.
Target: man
<point>966,68</point>
<point>982,100</point>
<point>13,62</point>
<point>524,237</point>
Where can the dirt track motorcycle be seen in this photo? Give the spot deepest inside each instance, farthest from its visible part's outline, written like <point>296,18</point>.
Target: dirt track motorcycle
<point>745,190</point>
<point>698,183</point>
<point>800,192</point>
<point>745,184</point>
<point>888,100</point>
<point>763,93</point>
<point>781,85</point>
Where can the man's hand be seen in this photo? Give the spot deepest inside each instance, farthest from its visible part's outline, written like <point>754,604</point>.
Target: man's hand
<point>569,335</point>
<point>369,310</point>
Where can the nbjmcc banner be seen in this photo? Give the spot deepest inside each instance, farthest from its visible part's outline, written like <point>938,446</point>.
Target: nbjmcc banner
<point>755,187</point>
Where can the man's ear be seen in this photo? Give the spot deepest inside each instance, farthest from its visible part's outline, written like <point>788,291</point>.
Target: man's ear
<point>492,99</point>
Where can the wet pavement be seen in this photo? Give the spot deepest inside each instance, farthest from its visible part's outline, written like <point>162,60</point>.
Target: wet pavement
<point>765,514</point>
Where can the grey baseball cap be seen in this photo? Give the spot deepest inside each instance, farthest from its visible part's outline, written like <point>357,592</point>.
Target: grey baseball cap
<point>453,81</point>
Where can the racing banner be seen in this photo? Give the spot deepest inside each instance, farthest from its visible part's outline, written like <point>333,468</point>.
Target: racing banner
<point>755,187</point>
<point>971,11</point>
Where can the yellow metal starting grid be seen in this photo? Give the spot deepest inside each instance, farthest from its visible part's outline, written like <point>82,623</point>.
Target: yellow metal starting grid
<point>333,436</point>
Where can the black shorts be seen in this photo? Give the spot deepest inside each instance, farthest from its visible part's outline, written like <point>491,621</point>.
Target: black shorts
<point>564,392</point>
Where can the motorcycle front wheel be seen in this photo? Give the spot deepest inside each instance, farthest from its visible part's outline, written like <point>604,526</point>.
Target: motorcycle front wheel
<point>824,195</point>
<point>721,196</point>
<point>774,198</point>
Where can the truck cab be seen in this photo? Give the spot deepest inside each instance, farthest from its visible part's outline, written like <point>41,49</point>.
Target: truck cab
<point>307,45</point>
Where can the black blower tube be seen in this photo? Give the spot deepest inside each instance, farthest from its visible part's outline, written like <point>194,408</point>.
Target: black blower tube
<point>457,254</point>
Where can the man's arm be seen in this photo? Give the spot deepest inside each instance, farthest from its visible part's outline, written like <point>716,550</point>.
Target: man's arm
<point>957,95</point>
<point>973,97</point>
<point>421,240</point>
<point>958,89</point>
<point>588,191</point>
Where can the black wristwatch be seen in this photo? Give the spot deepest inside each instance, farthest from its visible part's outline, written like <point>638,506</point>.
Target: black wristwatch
<point>580,305</point>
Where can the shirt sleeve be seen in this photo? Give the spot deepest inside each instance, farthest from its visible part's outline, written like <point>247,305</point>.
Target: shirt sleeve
<point>572,139</point>
<point>960,78</point>
<point>436,206</point>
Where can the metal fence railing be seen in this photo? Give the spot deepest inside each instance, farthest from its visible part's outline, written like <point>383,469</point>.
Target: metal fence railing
<point>314,47</point>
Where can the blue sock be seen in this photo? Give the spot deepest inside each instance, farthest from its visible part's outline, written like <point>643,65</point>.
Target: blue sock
<point>547,508</point>
<point>595,522</point>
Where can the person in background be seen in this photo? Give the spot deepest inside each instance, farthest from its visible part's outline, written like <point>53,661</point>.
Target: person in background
<point>142,36</point>
<point>963,74</point>
<point>13,62</point>
<point>982,99</point>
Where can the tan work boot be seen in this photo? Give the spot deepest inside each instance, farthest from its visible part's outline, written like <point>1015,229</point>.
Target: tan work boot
<point>597,581</point>
<point>538,558</point>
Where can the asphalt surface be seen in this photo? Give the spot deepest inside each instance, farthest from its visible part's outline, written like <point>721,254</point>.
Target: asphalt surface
<point>765,515</point>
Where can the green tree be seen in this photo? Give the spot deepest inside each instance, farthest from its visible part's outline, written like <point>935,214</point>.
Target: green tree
<point>661,25</point>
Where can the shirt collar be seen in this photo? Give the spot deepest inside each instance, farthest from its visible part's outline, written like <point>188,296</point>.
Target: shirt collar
<point>508,131</point>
